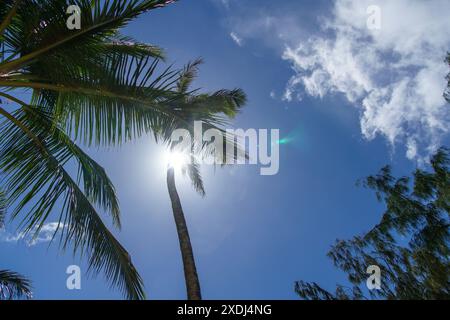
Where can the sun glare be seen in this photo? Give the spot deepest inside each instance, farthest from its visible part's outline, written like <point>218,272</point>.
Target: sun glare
<point>176,159</point>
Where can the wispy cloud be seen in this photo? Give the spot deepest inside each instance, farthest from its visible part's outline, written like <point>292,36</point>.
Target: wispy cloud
<point>273,95</point>
<point>226,3</point>
<point>395,75</point>
<point>31,239</point>
<point>237,39</point>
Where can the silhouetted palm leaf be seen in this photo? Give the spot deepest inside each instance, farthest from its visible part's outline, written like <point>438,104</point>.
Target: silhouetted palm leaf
<point>2,209</point>
<point>34,170</point>
<point>14,286</point>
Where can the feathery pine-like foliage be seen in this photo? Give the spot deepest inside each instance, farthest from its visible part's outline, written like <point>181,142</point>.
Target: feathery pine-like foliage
<point>93,84</point>
<point>410,244</point>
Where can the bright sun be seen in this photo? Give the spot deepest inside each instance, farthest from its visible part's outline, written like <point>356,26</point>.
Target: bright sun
<point>176,159</point>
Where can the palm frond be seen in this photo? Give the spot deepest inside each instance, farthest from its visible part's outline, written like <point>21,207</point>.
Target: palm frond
<point>228,102</point>
<point>2,209</point>
<point>8,10</point>
<point>42,31</point>
<point>192,169</point>
<point>14,286</point>
<point>131,47</point>
<point>36,181</point>
<point>188,75</point>
<point>125,102</point>
<point>213,110</point>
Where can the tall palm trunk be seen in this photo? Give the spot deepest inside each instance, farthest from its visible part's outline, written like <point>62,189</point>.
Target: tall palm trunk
<point>190,271</point>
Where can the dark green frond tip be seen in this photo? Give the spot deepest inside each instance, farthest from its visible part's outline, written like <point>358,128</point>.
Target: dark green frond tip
<point>14,286</point>
<point>133,48</point>
<point>2,209</point>
<point>227,102</point>
<point>188,75</point>
<point>234,100</point>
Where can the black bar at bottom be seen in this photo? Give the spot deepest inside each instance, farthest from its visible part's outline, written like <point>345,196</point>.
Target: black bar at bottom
<point>217,309</point>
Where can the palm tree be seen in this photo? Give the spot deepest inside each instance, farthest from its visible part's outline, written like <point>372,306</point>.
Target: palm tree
<point>92,85</point>
<point>12,285</point>
<point>211,107</point>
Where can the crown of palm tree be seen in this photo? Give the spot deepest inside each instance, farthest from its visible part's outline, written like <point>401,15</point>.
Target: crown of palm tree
<point>213,110</point>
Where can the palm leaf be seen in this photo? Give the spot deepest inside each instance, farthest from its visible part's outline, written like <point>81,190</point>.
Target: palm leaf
<point>14,286</point>
<point>41,29</point>
<point>123,102</point>
<point>2,209</point>
<point>188,75</point>
<point>95,77</point>
<point>192,169</point>
<point>35,175</point>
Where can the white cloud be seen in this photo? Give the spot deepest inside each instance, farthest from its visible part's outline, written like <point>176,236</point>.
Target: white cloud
<point>395,75</point>
<point>273,95</point>
<point>45,235</point>
<point>237,39</point>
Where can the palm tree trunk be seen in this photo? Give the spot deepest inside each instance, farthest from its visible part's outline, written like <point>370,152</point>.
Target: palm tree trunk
<point>190,271</point>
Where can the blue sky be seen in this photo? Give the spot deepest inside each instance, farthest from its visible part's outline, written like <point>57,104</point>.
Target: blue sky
<point>253,235</point>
